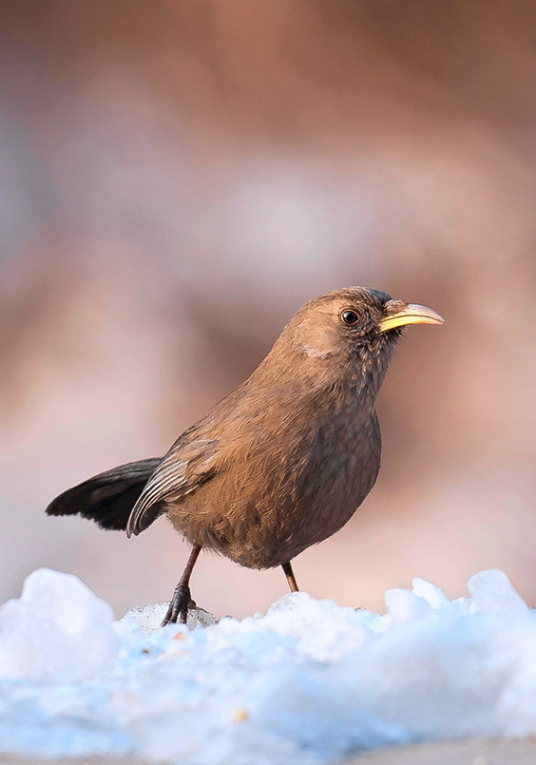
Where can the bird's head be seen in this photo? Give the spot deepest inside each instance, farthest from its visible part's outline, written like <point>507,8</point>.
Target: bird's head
<point>353,330</point>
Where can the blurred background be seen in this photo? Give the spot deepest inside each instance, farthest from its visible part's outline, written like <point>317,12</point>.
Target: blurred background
<point>177,178</point>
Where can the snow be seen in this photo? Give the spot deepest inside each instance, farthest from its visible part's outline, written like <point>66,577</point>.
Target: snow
<point>55,623</point>
<point>306,683</point>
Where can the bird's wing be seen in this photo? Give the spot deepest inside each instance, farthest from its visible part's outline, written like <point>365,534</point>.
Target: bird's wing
<point>184,468</point>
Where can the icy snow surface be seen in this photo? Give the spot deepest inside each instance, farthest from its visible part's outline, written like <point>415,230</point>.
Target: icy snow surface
<point>305,683</point>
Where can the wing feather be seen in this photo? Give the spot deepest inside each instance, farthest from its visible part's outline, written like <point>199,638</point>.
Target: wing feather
<point>184,468</point>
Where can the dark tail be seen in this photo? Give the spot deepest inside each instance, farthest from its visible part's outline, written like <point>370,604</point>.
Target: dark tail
<point>109,497</point>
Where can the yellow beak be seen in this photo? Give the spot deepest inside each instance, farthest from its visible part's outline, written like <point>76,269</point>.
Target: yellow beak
<point>411,313</point>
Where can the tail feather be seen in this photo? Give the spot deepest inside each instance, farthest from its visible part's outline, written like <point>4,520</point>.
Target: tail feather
<point>109,497</point>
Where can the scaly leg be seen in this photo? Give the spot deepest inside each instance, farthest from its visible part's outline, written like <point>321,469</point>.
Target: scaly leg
<point>182,599</point>
<point>291,579</point>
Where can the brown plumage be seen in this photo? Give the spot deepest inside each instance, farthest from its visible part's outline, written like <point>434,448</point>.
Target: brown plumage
<point>283,461</point>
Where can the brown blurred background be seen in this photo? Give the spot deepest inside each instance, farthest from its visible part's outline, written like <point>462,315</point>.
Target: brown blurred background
<point>177,178</point>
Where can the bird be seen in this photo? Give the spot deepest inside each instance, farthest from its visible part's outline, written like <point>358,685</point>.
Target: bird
<point>283,461</point>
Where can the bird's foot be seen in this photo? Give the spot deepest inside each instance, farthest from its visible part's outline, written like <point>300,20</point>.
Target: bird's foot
<point>180,604</point>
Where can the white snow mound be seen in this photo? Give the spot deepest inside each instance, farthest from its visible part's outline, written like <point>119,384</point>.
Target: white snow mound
<point>306,683</point>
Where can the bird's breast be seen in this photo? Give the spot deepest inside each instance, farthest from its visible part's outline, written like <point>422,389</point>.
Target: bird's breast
<point>283,487</point>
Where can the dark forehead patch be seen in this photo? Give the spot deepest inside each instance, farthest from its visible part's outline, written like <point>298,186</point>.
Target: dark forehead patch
<point>378,296</point>
<point>354,294</point>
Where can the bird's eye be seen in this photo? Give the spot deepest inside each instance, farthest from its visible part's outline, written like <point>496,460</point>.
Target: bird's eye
<point>349,317</point>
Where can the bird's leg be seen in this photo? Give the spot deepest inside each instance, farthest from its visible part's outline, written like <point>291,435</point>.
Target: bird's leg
<point>182,599</point>
<point>291,579</point>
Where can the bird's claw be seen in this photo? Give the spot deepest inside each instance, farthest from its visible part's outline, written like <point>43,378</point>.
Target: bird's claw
<point>180,604</point>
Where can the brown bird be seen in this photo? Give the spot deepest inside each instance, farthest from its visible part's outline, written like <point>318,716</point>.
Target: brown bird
<point>283,461</point>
